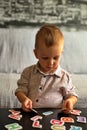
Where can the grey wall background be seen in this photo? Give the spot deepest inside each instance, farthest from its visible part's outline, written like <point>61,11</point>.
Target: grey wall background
<point>67,13</point>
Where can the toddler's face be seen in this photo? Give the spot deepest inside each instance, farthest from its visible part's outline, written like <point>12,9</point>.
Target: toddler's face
<point>49,57</point>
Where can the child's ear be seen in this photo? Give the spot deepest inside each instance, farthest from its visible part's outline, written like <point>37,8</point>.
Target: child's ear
<point>35,53</point>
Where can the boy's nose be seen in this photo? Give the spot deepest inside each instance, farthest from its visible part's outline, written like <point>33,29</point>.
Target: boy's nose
<point>51,61</point>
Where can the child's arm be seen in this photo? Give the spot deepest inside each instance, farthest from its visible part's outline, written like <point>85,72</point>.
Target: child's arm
<point>26,102</point>
<point>69,103</point>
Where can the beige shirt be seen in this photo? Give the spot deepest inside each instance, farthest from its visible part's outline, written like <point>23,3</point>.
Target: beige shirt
<point>46,90</point>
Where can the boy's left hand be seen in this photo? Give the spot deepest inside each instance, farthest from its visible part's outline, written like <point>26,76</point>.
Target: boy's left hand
<point>68,104</point>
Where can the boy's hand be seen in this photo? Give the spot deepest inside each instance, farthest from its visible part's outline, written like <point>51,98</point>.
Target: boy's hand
<point>26,102</point>
<point>68,104</point>
<point>27,105</point>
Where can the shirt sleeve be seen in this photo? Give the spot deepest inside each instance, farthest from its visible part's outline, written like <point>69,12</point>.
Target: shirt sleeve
<point>68,89</point>
<point>23,82</point>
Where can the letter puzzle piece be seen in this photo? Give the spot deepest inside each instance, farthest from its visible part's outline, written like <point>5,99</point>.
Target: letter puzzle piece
<point>57,127</point>
<point>76,112</point>
<point>36,124</point>
<point>67,119</point>
<point>47,113</point>
<point>14,112</point>
<point>36,118</point>
<point>13,126</point>
<point>58,122</point>
<point>81,119</point>
<point>75,128</point>
<point>16,117</point>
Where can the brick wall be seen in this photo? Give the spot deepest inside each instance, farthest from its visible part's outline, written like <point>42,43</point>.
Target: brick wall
<point>35,12</point>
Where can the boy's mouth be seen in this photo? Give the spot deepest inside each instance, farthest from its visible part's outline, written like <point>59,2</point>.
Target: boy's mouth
<point>51,67</point>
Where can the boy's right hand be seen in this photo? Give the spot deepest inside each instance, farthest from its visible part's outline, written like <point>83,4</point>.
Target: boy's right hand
<point>27,105</point>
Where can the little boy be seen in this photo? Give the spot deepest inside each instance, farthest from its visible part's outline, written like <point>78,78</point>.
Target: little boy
<point>46,84</point>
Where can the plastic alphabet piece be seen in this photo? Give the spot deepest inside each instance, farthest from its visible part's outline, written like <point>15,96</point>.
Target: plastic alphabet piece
<point>36,124</point>
<point>75,127</point>
<point>76,112</point>
<point>16,117</point>
<point>14,112</point>
<point>81,119</point>
<point>56,127</point>
<point>58,122</point>
<point>67,119</point>
<point>47,113</point>
<point>36,118</point>
<point>13,126</point>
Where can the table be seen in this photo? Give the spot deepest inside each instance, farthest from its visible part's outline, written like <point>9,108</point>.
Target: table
<point>26,123</point>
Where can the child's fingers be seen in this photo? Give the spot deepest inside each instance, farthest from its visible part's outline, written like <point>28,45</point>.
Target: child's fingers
<point>67,106</point>
<point>27,105</point>
<point>25,108</point>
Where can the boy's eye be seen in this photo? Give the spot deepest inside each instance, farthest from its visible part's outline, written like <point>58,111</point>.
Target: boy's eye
<point>44,58</point>
<point>56,58</point>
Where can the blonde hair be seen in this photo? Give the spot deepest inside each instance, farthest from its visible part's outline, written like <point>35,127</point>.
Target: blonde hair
<point>49,35</point>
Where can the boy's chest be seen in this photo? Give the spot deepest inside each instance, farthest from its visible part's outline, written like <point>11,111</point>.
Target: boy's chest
<point>41,83</point>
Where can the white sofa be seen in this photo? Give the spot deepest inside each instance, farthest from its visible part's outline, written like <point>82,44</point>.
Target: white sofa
<point>16,52</point>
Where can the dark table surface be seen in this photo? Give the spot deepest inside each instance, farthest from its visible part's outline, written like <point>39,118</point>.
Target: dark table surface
<point>26,123</point>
